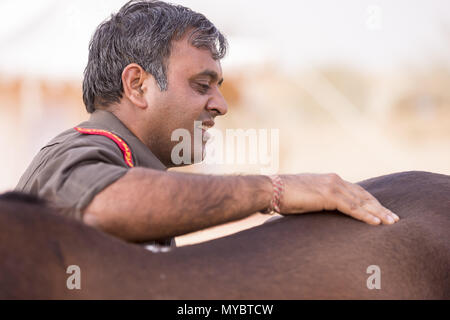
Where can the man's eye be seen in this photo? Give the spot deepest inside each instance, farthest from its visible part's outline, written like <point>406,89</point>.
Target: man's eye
<point>203,88</point>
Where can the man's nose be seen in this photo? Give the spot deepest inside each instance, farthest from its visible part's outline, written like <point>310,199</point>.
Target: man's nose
<point>218,103</point>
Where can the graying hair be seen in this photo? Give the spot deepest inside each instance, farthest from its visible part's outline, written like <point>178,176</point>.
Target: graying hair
<point>142,32</point>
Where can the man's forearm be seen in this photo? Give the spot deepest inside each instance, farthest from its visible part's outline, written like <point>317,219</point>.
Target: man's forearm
<point>148,205</point>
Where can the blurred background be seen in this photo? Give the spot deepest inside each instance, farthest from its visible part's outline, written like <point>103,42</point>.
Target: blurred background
<point>360,88</point>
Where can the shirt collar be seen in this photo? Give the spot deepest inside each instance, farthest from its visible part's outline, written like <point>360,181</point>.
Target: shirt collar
<point>142,155</point>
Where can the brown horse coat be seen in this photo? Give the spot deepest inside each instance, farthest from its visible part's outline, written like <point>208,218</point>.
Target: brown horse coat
<point>309,256</point>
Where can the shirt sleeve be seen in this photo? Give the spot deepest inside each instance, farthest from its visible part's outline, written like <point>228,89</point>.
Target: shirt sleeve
<point>75,173</point>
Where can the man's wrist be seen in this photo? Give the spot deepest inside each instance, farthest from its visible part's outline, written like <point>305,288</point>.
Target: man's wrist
<point>277,192</point>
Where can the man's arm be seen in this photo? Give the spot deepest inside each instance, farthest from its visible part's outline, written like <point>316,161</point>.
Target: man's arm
<point>147,205</point>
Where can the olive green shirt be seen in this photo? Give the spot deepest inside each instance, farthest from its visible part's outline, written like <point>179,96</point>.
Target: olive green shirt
<point>73,168</point>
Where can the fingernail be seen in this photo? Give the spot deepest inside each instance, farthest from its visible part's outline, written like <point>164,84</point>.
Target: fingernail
<point>396,216</point>
<point>390,219</point>
<point>376,220</point>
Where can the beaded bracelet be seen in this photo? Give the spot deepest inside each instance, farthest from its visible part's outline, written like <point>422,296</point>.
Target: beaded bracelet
<point>278,188</point>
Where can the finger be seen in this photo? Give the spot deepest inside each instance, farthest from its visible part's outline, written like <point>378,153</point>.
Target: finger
<point>374,206</point>
<point>365,210</point>
<point>348,203</point>
<point>386,216</point>
<point>348,206</point>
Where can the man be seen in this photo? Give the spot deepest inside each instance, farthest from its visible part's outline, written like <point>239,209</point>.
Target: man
<point>154,68</point>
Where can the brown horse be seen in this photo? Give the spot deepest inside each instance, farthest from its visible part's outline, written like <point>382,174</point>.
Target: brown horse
<point>310,256</point>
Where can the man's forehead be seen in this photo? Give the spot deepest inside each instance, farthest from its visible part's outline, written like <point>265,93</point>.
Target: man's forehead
<point>194,61</point>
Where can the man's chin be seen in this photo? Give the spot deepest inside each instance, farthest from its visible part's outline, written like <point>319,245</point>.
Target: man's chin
<point>195,159</point>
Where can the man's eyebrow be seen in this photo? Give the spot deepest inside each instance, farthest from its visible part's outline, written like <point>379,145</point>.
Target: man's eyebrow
<point>210,73</point>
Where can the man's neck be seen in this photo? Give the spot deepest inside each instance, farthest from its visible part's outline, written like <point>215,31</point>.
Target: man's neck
<point>136,120</point>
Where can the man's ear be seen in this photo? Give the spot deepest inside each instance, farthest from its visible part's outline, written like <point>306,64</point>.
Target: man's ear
<point>133,77</point>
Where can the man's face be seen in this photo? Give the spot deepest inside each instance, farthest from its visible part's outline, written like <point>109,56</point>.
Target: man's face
<point>193,94</point>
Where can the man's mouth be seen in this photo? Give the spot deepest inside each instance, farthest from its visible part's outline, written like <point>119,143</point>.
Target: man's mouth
<point>205,126</point>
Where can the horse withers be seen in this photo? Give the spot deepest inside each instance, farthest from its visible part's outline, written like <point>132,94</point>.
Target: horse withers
<point>310,256</point>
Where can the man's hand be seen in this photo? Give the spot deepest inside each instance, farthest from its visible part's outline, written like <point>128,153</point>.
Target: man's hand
<point>318,192</point>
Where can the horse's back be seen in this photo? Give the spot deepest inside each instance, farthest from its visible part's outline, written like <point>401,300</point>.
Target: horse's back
<point>310,256</point>
<point>328,255</point>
